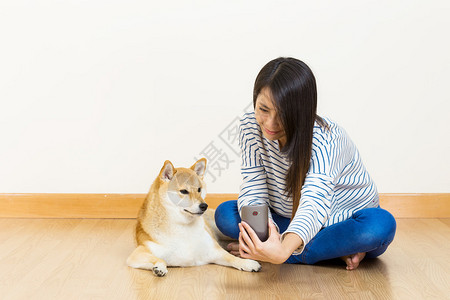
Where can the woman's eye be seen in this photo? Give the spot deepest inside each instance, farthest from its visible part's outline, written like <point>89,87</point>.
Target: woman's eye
<point>263,110</point>
<point>184,192</point>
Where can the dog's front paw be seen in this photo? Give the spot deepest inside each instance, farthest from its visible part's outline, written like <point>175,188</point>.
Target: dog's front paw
<point>160,269</point>
<point>250,265</point>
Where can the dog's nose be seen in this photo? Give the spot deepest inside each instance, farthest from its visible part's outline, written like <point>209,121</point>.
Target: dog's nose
<point>203,206</point>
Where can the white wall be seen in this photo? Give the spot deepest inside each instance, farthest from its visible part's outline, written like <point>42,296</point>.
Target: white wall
<point>95,95</point>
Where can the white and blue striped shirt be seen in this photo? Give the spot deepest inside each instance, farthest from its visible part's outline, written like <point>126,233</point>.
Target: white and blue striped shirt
<point>336,185</point>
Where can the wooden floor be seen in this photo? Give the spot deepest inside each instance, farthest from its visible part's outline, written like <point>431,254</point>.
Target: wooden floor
<point>85,259</point>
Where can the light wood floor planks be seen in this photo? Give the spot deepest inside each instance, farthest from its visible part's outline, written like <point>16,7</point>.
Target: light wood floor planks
<point>85,259</point>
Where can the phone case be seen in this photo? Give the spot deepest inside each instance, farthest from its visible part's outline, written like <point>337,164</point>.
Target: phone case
<point>257,216</point>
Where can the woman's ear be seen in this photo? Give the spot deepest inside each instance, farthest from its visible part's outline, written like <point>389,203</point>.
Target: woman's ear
<point>199,167</point>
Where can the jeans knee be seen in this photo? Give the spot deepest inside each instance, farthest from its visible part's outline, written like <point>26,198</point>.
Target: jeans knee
<point>219,216</point>
<point>381,228</point>
<point>226,216</point>
<point>389,225</point>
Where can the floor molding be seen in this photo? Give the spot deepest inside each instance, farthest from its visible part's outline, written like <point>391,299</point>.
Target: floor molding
<point>127,205</point>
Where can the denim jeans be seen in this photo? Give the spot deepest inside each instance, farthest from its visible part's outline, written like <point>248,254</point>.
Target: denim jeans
<point>369,230</point>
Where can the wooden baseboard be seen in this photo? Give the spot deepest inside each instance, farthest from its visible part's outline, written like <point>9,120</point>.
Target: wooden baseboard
<point>127,205</point>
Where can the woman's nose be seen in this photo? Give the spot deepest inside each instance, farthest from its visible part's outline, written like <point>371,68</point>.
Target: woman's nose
<point>273,123</point>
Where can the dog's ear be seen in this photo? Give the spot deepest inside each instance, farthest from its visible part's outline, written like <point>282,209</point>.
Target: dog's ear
<point>167,171</point>
<point>199,167</point>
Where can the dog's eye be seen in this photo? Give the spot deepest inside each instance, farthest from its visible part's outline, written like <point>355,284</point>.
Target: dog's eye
<point>184,192</point>
<point>199,190</point>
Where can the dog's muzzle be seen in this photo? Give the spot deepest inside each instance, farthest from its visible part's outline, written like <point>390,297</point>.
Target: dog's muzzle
<point>202,207</point>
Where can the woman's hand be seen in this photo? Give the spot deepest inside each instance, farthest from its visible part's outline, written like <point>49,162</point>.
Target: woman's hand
<point>250,246</point>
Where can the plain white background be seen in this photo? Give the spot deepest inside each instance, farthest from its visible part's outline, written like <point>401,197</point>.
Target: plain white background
<point>96,95</point>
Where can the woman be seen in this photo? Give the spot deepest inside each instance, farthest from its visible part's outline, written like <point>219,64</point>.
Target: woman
<point>323,203</point>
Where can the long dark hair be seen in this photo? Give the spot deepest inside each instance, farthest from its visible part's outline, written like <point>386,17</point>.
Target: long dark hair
<point>294,92</point>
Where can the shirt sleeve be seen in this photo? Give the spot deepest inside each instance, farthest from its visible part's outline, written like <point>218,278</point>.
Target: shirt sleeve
<point>314,208</point>
<point>317,192</point>
<point>253,188</point>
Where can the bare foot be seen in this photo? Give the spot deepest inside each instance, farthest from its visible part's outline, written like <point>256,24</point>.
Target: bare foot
<point>233,248</point>
<point>353,260</point>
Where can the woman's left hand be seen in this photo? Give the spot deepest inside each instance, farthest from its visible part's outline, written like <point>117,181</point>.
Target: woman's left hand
<point>250,246</point>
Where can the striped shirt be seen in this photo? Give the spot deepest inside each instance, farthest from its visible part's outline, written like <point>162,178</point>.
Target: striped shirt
<point>336,184</point>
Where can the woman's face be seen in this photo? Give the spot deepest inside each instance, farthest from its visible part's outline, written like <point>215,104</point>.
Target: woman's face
<point>267,117</point>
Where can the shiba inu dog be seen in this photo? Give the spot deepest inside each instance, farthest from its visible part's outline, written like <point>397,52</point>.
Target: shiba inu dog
<point>174,230</point>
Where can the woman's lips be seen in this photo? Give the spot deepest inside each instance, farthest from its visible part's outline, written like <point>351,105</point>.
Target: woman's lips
<point>270,132</point>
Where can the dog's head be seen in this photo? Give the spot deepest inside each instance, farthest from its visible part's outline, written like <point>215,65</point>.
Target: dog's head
<point>184,188</point>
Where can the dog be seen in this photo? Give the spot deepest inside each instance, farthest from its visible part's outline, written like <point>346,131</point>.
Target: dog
<point>173,229</point>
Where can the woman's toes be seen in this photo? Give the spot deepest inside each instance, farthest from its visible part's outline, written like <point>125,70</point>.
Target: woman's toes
<point>353,260</point>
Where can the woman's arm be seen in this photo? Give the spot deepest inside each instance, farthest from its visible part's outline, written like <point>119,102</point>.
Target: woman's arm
<point>253,189</point>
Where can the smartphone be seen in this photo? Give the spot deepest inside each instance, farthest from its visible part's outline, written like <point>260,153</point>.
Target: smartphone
<point>257,216</point>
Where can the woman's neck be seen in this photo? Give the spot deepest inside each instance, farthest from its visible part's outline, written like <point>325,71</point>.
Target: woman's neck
<point>282,142</point>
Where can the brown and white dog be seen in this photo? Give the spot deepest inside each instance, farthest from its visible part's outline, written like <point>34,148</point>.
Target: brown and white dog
<point>174,230</point>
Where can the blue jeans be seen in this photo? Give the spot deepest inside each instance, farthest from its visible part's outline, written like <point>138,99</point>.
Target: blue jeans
<point>369,230</point>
